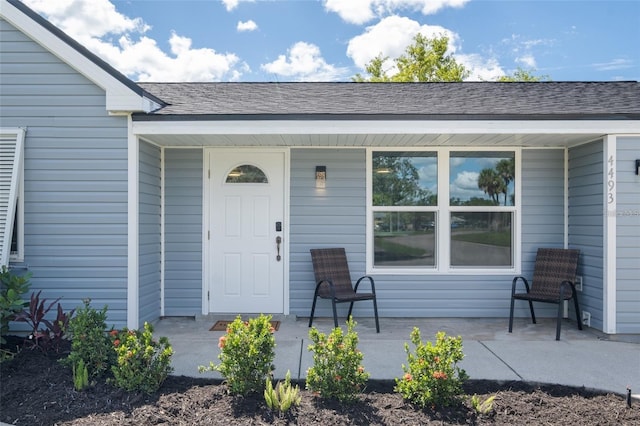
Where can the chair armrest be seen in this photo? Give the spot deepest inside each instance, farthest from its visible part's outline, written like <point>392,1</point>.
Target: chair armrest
<point>515,281</point>
<point>373,287</point>
<point>563,289</point>
<point>332,288</point>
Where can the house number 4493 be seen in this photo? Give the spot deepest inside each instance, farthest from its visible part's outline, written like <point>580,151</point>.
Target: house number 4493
<point>611,183</point>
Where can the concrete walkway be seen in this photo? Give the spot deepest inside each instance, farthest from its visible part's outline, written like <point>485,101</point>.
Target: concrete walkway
<point>531,353</point>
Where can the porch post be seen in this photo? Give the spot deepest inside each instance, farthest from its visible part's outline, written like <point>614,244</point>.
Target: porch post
<point>609,235</point>
<point>133,152</point>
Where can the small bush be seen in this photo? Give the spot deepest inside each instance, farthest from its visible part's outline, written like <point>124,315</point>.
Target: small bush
<point>432,378</point>
<point>80,376</point>
<point>337,370</point>
<point>247,354</point>
<point>482,407</point>
<point>12,288</point>
<point>283,396</point>
<point>142,363</point>
<point>90,342</point>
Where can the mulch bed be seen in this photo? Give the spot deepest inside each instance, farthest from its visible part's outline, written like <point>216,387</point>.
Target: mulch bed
<point>36,390</point>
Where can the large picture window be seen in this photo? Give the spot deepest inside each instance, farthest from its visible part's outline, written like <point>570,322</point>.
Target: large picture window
<point>450,210</point>
<point>404,198</point>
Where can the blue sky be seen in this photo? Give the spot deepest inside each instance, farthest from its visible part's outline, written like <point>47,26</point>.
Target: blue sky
<point>332,40</point>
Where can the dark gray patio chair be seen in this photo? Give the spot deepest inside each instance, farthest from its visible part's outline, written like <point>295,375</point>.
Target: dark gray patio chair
<point>553,280</point>
<point>333,281</point>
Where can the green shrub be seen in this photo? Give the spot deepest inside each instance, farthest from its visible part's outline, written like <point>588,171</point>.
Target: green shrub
<point>90,342</point>
<point>432,378</point>
<point>142,363</point>
<point>482,407</point>
<point>247,354</point>
<point>337,370</point>
<point>12,288</point>
<point>283,396</point>
<point>80,376</point>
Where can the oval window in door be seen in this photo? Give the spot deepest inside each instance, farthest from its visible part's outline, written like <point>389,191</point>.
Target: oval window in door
<point>246,173</point>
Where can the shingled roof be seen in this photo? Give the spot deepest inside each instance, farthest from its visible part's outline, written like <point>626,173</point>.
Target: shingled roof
<point>346,100</point>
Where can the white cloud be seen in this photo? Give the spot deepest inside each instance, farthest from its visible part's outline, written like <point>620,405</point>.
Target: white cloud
<point>120,40</point>
<point>390,37</point>
<point>232,4</point>
<point>362,11</point>
<point>87,18</point>
<point>527,60</point>
<point>465,186</point>
<point>615,64</point>
<point>247,26</point>
<point>304,62</point>
<point>480,68</point>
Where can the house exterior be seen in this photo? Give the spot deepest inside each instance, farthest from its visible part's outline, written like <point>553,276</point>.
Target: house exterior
<point>183,199</point>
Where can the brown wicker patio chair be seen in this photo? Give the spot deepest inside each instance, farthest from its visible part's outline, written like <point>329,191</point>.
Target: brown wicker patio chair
<point>553,280</point>
<point>333,281</point>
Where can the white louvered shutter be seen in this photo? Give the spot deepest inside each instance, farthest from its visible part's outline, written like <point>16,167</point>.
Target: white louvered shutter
<point>11,154</point>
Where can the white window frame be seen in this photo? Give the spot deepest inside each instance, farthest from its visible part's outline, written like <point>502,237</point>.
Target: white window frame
<point>442,212</point>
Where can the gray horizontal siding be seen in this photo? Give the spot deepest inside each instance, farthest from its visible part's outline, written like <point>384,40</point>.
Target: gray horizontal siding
<point>542,213</point>
<point>336,217</point>
<point>75,177</point>
<point>586,192</point>
<point>149,233</point>
<point>628,236</point>
<point>183,232</point>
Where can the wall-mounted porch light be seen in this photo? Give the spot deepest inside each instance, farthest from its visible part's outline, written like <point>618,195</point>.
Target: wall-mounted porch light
<point>321,176</point>
<point>637,167</point>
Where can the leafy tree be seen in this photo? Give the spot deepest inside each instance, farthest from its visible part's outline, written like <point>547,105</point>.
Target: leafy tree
<point>491,183</point>
<point>523,75</point>
<point>506,169</point>
<point>426,59</point>
<point>399,185</point>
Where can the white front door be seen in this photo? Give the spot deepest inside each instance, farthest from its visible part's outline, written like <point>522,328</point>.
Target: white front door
<point>246,231</point>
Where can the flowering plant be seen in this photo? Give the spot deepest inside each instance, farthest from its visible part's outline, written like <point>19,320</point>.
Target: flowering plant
<point>246,356</point>
<point>431,377</point>
<point>142,363</point>
<point>337,370</point>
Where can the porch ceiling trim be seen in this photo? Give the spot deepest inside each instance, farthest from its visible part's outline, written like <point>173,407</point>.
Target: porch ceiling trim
<point>313,133</point>
<point>520,127</point>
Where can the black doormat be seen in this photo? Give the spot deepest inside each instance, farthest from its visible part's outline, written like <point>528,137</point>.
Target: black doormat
<point>221,325</point>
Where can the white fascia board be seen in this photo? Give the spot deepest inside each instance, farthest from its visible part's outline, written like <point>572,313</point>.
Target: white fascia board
<point>119,96</point>
<point>244,127</point>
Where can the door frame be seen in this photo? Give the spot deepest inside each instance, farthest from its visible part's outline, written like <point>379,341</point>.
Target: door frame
<point>206,215</point>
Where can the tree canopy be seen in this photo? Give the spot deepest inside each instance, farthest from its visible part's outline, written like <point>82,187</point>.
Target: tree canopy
<point>426,59</point>
<point>523,75</point>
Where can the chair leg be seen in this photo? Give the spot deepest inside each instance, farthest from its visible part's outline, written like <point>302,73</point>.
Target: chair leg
<point>375,312</point>
<point>313,308</point>
<point>559,323</point>
<point>335,313</point>
<point>533,316</point>
<point>511,315</point>
<point>350,310</point>
<point>578,314</point>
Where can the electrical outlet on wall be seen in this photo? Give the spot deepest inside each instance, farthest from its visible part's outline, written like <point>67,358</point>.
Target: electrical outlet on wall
<point>578,283</point>
<point>586,318</point>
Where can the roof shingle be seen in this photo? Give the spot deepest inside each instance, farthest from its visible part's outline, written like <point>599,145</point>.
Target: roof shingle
<point>592,100</point>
